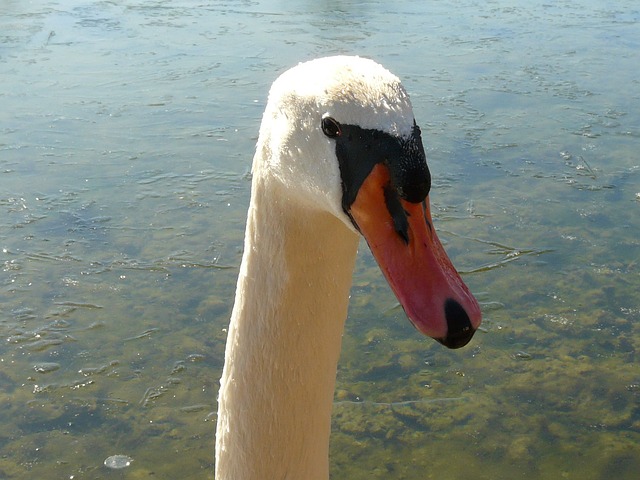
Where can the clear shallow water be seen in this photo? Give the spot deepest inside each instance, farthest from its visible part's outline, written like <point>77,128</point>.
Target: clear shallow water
<point>126,134</point>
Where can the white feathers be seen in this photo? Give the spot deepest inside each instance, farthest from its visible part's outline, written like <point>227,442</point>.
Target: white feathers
<point>373,96</point>
<point>284,338</point>
<point>292,148</point>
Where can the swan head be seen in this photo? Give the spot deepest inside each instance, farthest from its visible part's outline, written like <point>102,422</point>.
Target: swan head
<point>339,135</point>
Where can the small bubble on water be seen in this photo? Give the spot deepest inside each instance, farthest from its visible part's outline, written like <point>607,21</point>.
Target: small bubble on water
<point>118,461</point>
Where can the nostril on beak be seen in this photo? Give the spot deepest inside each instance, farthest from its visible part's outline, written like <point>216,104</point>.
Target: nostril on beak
<point>459,328</point>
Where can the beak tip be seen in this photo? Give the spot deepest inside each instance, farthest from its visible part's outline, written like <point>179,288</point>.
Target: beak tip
<point>460,329</point>
<point>457,340</point>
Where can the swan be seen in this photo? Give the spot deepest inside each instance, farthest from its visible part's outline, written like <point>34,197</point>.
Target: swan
<point>339,156</point>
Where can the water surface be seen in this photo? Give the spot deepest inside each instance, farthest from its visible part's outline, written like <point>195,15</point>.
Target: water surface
<point>126,135</point>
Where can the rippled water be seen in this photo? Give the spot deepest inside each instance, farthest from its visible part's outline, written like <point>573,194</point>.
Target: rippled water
<point>126,134</point>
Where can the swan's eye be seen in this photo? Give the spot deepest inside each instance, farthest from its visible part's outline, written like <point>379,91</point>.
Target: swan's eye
<point>331,127</point>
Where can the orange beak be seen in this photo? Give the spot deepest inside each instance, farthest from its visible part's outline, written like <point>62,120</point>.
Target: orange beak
<point>403,241</point>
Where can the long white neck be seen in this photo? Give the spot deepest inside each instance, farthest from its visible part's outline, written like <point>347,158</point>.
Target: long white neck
<point>283,345</point>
